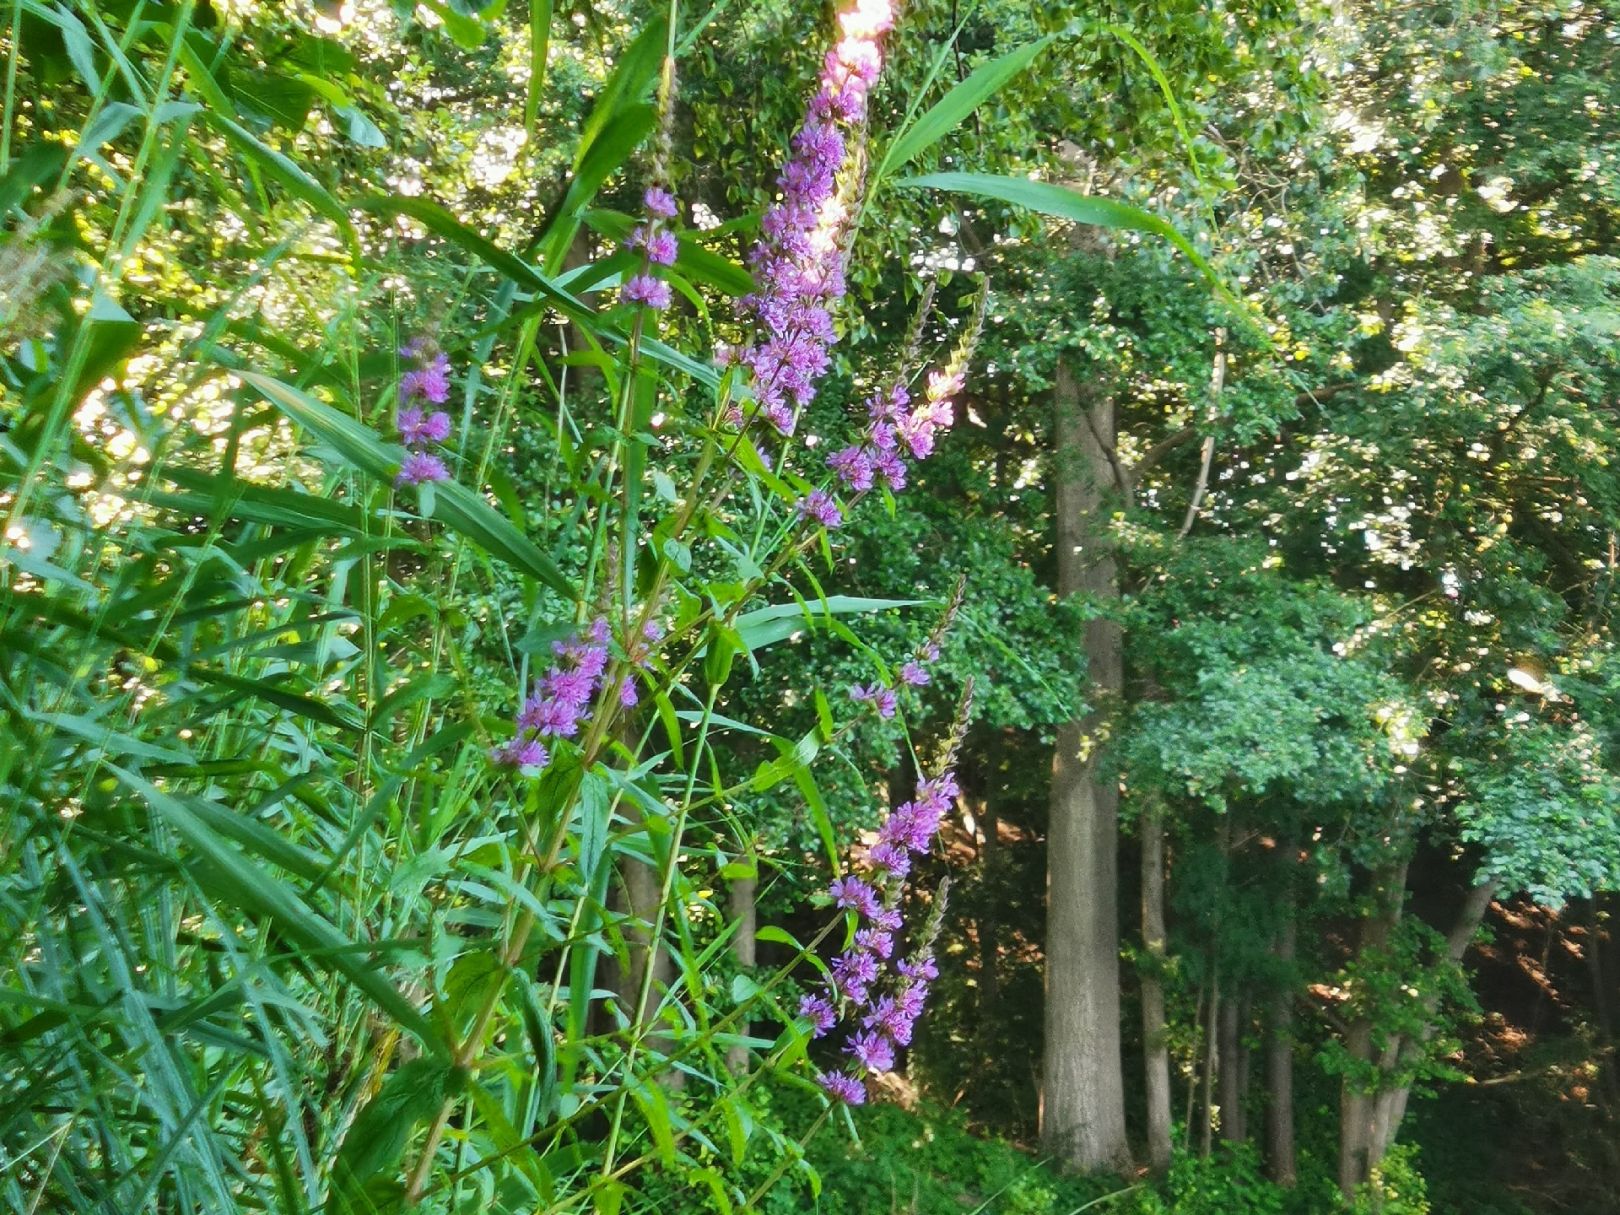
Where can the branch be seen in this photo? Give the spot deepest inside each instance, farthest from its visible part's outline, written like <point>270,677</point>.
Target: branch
<point>1217,381</point>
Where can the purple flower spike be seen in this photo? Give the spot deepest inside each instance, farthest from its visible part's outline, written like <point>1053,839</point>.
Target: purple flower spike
<point>659,201</point>
<point>819,505</point>
<point>528,756</point>
<point>912,673</point>
<point>842,1087</point>
<point>419,467</point>
<point>850,893</point>
<point>645,289</point>
<point>820,1013</point>
<point>873,1050</point>
<point>431,382</point>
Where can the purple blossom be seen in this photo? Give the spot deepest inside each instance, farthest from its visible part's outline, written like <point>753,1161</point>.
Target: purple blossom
<point>854,468</point>
<point>419,467</point>
<point>911,998</point>
<point>430,381</point>
<point>912,673</point>
<point>573,688</point>
<point>548,715</point>
<point>662,248</point>
<point>843,1087</point>
<point>415,430</point>
<point>659,201</point>
<point>923,968</point>
<point>645,289</point>
<point>820,506</point>
<point>880,697</point>
<point>629,698</point>
<point>888,919</point>
<point>851,893</point>
<point>853,973</point>
<point>873,1050</point>
<point>875,940</point>
<point>819,1011</point>
<point>895,860</point>
<point>527,755</point>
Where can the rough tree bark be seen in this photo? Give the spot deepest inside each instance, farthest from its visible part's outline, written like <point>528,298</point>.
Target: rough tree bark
<point>1392,1102</point>
<point>1358,1102</point>
<point>1155,1040</point>
<point>1233,1074</point>
<point>1280,1061</point>
<point>1082,1110</point>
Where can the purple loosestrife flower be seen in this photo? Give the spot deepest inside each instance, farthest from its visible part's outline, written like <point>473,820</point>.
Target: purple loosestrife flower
<point>645,289</point>
<point>854,468</point>
<point>560,699</point>
<point>419,467</point>
<point>820,1012</point>
<point>629,698</point>
<point>528,756</point>
<point>912,673</point>
<point>875,940</point>
<point>892,859</point>
<point>415,430</point>
<point>431,381</point>
<point>855,895</point>
<point>799,260</point>
<point>819,506</point>
<point>874,1051</point>
<point>659,201</point>
<point>855,970</point>
<point>881,698</point>
<point>843,1087</point>
<point>662,248</point>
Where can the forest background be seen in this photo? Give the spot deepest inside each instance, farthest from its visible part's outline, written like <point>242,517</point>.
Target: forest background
<point>1256,589</point>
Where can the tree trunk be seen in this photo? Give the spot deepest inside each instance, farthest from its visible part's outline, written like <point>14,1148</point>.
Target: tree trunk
<point>1358,1101</point>
<point>988,928</point>
<point>745,949</point>
<point>1155,1043</point>
<point>1392,1106</point>
<point>1082,1112</point>
<point>1280,1063</point>
<point>642,893</point>
<point>1234,1074</point>
<point>1212,1061</point>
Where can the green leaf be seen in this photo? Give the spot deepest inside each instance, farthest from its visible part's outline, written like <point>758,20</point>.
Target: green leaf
<point>539,46</point>
<point>456,506</point>
<point>233,877</point>
<point>299,183</point>
<point>437,220</point>
<point>951,110</point>
<point>769,625</point>
<point>1064,203</point>
<point>377,1140</point>
<point>468,32</point>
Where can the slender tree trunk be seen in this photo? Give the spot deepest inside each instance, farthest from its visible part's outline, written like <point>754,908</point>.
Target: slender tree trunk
<point>1082,1085</point>
<point>1155,1043</point>
<point>1358,1102</point>
<point>745,949</point>
<point>1280,1063</point>
<point>1212,1061</point>
<point>1234,1072</point>
<point>1392,1107</point>
<point>988,928</point>
<point>642,892</point>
